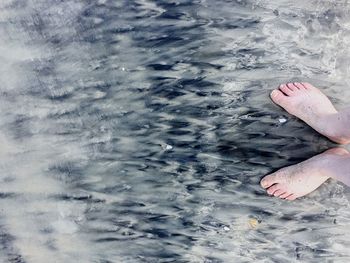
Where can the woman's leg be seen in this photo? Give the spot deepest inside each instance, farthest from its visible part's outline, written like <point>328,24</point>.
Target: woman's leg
<point>313,107</point>
<point>301,179</point>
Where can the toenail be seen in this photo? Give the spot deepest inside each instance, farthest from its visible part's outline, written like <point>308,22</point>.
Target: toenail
<point>274,93</point>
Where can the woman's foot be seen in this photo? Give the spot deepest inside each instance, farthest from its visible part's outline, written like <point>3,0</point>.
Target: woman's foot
<point>301,179</point>
<point>313,107</point>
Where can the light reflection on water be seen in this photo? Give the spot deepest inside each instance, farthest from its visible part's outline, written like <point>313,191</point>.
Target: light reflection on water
<point>138,131</point>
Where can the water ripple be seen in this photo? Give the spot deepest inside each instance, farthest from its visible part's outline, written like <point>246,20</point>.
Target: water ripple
<point>138,131</point>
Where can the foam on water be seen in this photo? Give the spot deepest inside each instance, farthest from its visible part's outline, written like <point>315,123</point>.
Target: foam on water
<point>138,130</point>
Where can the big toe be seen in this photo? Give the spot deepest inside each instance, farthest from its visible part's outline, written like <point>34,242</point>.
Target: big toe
<point>278,97</point>
<point>267,181</point>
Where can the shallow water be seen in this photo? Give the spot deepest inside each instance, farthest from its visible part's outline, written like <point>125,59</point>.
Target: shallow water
<point>138,130</point>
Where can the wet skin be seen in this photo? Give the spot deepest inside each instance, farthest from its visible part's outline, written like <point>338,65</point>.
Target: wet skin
<point>313,107</point>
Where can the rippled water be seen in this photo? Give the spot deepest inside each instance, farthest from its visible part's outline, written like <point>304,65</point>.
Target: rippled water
<point>138,130</point>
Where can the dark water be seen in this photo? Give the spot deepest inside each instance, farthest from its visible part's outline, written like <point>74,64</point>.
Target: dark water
<point>138,130</point>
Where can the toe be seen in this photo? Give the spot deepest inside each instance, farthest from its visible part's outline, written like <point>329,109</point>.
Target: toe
<point>291,197</point>
<point>299,85</point>
<point>307,85</point>
<point>278,97</point>
<point>285,195</point>
<point>292,87</point>
<point>267,181</point>
<point>284,88</point>
<point>278,192</point>
<point>272,189</point>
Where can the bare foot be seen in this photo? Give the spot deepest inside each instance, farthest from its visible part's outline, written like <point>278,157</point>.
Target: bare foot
<point>313,107</point>
<point>301,179</point>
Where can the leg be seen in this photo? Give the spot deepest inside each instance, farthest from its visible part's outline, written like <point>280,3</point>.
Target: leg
<point>310,105</point>
<point>301,179</point>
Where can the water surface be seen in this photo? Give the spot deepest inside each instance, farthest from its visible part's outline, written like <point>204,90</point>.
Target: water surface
<point>138,130</point>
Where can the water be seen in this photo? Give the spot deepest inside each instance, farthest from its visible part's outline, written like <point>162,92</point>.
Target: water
<point>138,130</point>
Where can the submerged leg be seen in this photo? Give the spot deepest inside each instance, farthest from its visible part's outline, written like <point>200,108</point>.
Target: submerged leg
<point>313,107</point>
<point>301,179</point>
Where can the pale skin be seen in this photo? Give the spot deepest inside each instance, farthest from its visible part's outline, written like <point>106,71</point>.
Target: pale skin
<point>313,107</point>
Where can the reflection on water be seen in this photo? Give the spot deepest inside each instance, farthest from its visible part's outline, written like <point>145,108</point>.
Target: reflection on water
<point>138,130</point>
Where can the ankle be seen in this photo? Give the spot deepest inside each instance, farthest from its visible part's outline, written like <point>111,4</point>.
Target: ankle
<point>337,168</point>
<point>327,166</point>
<point>335,128</point>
